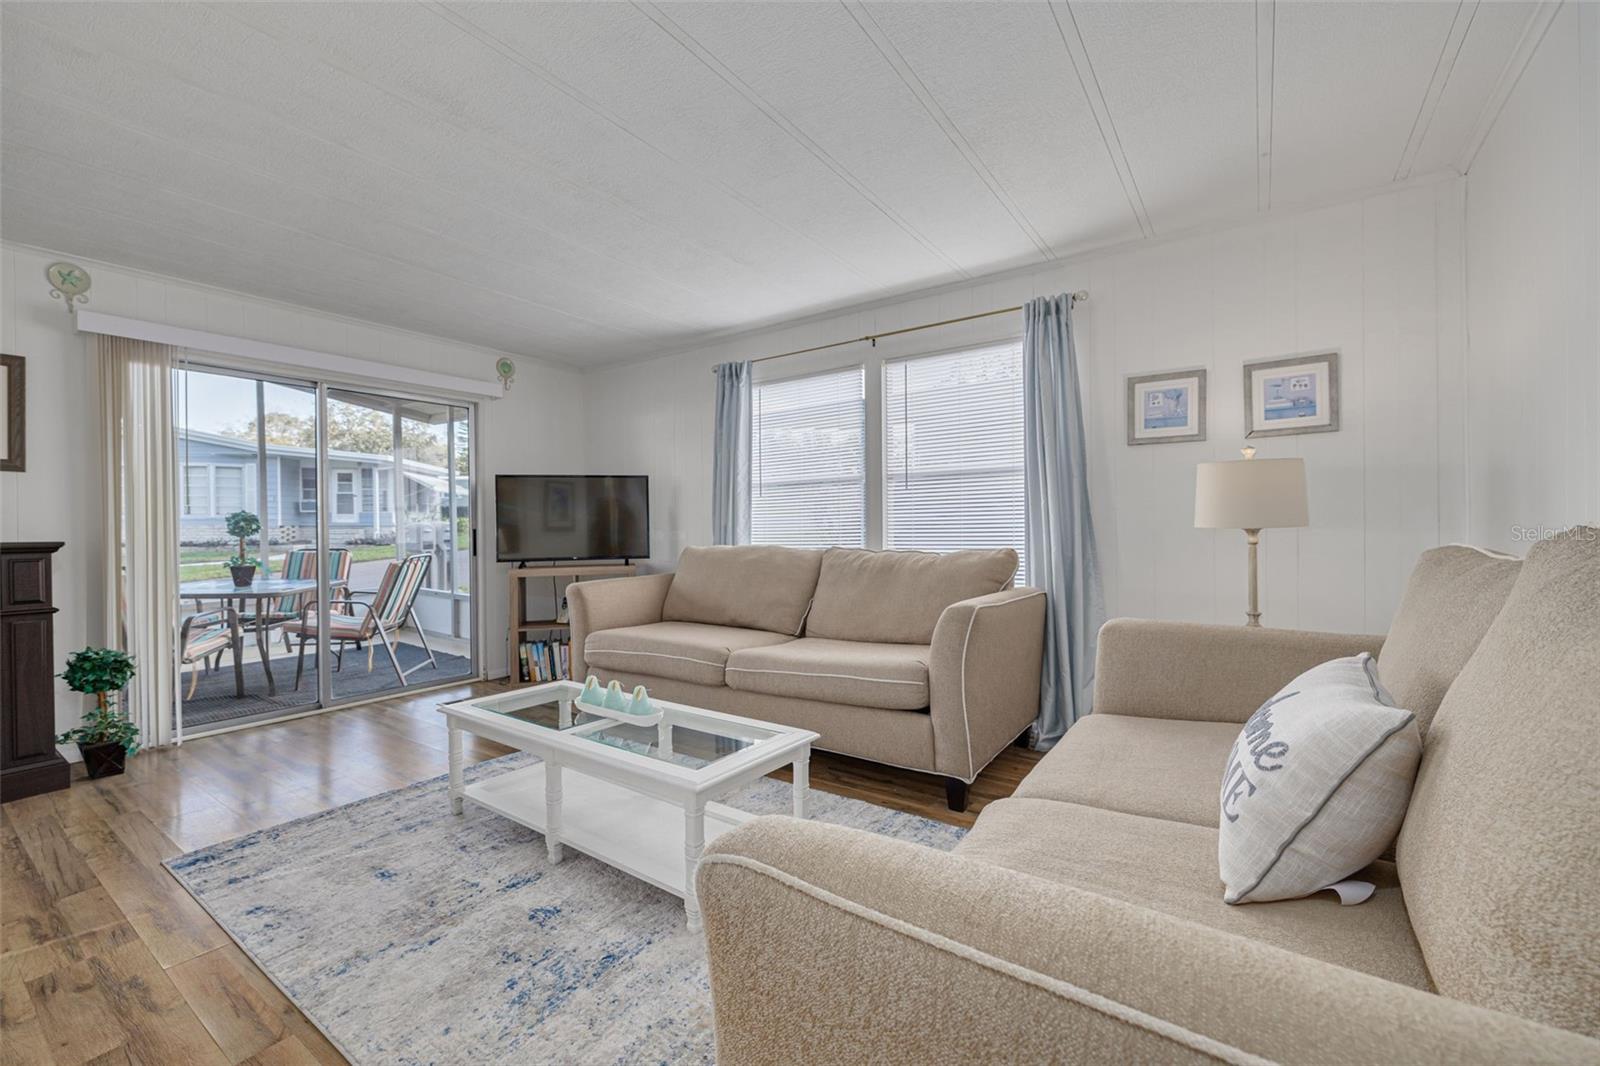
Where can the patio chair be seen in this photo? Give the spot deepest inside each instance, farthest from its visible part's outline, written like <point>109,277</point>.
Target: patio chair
<point>301,563</point>
<point>205,635</point>
<point>353,621</point>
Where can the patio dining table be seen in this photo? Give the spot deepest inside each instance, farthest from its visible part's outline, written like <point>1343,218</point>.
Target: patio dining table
<point>262,589</point>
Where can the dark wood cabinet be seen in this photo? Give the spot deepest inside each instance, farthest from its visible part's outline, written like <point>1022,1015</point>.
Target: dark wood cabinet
<point>29,762</point>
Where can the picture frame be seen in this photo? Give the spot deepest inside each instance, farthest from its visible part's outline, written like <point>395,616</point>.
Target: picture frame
<point>1292,395</point>
<point>560,505</point>
<point>1167,408</point>
<point>13,414</point>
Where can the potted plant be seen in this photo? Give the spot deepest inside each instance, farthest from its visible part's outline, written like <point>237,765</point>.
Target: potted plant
<point>242,524</point>
<point>106,738</point>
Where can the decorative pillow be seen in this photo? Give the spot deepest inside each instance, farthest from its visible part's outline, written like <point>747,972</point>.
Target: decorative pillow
<point>1317,784</point>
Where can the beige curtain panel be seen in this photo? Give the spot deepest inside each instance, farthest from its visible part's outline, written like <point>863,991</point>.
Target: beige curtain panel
<point>138,466</point>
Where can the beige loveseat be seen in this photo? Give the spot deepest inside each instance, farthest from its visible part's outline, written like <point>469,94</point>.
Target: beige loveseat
<point>1082,920</point>
<point>915,659</point>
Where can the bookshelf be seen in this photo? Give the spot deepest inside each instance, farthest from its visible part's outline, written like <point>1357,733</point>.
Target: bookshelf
<point>521,628</point>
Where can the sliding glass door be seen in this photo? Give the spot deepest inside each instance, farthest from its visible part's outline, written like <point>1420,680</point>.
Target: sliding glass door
<point>401,509</point>
<point>375,487</point>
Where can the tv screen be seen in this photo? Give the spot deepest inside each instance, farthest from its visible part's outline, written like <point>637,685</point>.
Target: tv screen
<point>545,517</point>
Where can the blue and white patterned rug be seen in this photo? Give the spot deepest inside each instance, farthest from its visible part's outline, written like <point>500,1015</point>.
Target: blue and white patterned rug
<point>411,936</point>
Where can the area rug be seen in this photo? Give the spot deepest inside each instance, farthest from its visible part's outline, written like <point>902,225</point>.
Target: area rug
<point>408,935</point>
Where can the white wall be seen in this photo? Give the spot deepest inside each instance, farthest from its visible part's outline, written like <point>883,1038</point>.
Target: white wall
<point>1379,279</point>
<point>536,426</point>
<point>1533,286</point>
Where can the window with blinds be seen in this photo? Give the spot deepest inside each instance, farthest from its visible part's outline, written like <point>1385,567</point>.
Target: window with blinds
<point>952,451</point>
<point>808,461</point>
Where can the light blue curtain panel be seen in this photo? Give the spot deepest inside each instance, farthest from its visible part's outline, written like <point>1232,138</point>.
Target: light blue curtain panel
<point>730,456</point>
<point>1060,535</point>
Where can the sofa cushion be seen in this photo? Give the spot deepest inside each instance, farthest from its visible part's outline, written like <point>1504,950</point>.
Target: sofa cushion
<point>1171,867</point>
<point>1453,595</point>
<point>897,597</point>
<point>747,586</point>
<point>1499,851</point>
<point>891,676</point>
<point>1150,766</point>
<point>684,651</point>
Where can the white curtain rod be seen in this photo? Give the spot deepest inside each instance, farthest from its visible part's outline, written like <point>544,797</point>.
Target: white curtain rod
<point>873,338</point>
<point>318,364</point>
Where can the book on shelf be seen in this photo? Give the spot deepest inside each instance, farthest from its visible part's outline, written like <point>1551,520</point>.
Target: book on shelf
<point>544,660</point>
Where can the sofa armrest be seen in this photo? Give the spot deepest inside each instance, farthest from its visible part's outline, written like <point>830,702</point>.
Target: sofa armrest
<point>1206,673</point>
<point>832,945</point>
<point>612,604</point>
<point>983,677</point>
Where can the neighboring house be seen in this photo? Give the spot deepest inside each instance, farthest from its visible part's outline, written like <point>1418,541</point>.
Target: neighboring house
<point>220,477</point>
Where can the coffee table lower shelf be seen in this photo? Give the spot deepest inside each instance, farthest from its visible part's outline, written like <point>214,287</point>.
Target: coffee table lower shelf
<point>635,833</point>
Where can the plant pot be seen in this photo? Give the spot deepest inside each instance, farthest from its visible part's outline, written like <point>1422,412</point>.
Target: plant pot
<point>104,760</point>
<point>243,575</point>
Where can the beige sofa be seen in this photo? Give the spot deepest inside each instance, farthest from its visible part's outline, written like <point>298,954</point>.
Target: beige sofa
<point>915,659</point>
<point>1082,920</point>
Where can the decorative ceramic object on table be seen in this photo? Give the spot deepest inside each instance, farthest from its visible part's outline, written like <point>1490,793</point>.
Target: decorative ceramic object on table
<point>611,703</point>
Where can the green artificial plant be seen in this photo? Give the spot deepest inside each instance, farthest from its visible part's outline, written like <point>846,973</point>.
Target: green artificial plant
<point>104,672</point>
<point>243,524</point>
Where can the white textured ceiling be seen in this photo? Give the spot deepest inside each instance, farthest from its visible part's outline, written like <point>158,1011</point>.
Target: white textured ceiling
<point>599,181</point>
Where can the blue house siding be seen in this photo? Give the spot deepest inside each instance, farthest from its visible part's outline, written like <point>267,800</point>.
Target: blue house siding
<point>219,476</point>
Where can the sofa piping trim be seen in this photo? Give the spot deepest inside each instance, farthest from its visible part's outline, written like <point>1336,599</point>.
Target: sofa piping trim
<point>1111,1008</point>
<point>589,653</point>
<point>816,673</point>
<point>965,724</point>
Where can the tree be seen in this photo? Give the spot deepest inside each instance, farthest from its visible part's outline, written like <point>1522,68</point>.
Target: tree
<point>352,429</point>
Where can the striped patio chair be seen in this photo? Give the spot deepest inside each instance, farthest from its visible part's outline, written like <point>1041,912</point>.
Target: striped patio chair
<point>301,563</point>
<point>207,634</point>
<point>353,621</point>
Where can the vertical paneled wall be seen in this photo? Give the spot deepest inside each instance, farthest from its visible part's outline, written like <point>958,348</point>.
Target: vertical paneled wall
<point>1379,279</point>
<point>1533,282</point>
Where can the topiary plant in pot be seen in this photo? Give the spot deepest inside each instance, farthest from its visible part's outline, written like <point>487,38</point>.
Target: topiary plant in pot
<point>106,738</point>
<point>242,524</point>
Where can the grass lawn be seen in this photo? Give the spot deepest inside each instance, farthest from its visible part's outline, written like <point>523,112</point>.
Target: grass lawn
<point>201,564</point>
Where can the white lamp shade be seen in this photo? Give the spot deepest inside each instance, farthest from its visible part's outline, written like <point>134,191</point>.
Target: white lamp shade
<point>1250,494</point>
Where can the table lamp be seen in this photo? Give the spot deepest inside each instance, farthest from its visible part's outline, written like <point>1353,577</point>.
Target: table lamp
<point>1250,494</point>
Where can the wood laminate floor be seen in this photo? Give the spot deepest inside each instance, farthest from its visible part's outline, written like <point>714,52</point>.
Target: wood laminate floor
<point>105,959</point>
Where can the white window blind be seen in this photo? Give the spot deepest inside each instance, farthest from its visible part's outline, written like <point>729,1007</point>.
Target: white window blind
<point>229,488</point>
<point>196,489</point>
<point>952,435</point>
<point>808,461</point>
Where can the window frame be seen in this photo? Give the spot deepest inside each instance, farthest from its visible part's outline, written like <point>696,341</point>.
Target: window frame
<point>354,492</point>
<point>887,350</point>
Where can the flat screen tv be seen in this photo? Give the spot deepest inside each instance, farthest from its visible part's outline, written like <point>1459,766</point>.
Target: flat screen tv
<point>544,517</point>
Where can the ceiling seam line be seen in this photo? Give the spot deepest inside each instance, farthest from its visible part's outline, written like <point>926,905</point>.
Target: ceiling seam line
<point>952,131</point>
<point>689,44</point>
<point>490,40</point>
<point>1102,118</point>
<point>385,256</point>
<point>1443,67</point>
<point>533,162</point>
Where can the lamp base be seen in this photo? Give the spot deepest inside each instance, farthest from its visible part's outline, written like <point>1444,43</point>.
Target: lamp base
<point>1253,614</point>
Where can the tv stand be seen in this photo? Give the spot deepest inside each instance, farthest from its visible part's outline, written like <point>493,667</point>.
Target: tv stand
<point>517,619</point>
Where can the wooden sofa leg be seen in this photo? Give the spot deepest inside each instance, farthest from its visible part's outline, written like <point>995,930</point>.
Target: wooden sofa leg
<point>955,794</point>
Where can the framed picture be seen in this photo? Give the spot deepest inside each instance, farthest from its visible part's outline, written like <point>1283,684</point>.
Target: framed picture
<point>559,505</point>
<point>13,414</point>
<point>1299,394</point>
<point>1167,408</point>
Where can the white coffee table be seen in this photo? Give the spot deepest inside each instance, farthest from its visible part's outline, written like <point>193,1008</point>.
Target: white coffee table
<point>639,798</point>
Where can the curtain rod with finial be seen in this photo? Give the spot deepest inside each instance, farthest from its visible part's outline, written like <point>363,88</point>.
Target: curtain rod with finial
<point>872,338</point>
